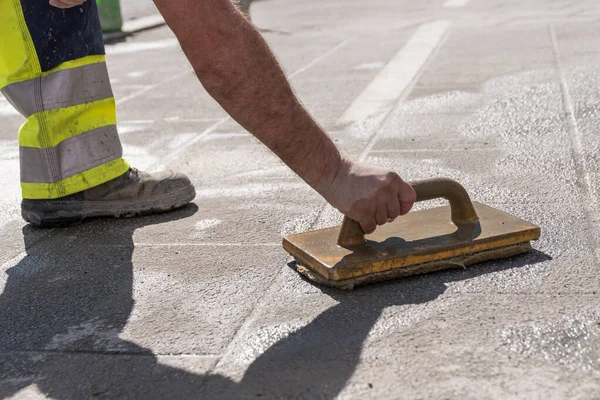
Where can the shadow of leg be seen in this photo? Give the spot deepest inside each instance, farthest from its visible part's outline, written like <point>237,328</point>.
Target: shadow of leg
<point>63,308</point>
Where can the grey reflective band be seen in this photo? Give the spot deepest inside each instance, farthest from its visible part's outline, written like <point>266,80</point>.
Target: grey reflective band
<point>73,156</point>
<point>64,88</point>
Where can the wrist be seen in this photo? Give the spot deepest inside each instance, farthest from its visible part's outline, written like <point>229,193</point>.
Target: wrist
<point>332,176</point>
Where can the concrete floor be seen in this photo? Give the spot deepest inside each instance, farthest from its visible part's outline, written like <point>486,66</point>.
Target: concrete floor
<point>502,96</point>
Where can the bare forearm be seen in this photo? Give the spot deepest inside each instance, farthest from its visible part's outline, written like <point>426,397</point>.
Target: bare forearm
<point>236,67</point>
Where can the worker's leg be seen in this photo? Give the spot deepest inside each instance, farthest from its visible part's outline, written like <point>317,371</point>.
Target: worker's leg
<point>52,70</point>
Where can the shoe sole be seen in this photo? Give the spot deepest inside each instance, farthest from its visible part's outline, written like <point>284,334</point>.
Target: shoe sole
<point>53,214</point>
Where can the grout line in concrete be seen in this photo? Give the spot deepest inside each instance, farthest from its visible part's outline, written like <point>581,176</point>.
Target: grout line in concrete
<point>208,244</point>
<point>110,353</point>
<point>152,87</point>
<point>587,196</point>
<point>578,153</point>
<point>176,119</point>
<point>193,140</point>
<point>435,150</point>
<point>139,121</point>
<point>180,244</point>
<point>320,58</point>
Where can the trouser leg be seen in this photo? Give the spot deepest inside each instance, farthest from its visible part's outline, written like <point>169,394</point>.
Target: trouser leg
<point>52,69</point>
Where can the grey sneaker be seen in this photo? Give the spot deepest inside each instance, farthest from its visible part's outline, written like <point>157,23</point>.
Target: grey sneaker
<point>133,194</point>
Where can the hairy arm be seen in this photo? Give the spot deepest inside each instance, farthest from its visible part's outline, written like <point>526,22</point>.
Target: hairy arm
<point>237,68</point>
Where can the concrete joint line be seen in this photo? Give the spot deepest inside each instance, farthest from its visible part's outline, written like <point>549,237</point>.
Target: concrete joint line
<point>425,150</point>
<point>587,195</point>
<point>113,353</point>
<point>151,87</point>
<point>578,156</point>
<point>207,244</point>
<point>175,244</point>
<point>320,58</point>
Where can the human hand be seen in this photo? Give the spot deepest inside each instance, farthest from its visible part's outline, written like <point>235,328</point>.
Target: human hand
<point>66,3</point>
<point>369,195</point>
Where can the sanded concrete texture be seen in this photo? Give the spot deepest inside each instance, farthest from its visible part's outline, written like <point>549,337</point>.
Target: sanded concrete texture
<point>502,96</point>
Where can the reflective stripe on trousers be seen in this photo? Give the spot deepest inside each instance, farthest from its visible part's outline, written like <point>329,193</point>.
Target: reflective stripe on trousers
<point>52,71</point>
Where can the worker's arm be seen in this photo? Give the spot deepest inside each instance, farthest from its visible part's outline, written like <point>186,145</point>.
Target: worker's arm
<point>236,67</point>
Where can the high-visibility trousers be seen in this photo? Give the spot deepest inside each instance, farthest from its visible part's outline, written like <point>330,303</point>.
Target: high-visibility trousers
<point>52,70</point>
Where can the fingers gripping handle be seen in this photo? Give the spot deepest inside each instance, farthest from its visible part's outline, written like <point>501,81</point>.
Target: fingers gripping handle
<point>461,208</point>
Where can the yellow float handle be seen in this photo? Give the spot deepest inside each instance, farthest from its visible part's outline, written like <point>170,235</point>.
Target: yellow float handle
<point>462,211</point>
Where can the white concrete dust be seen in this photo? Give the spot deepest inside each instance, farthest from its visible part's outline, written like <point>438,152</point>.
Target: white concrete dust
<point>261,339</point>
<point>396,318</point>
<point>253,190</point>
<point>227,135</point>
<point>9,264</point>
<point>9,181</point>
<point>448,102</point>
<point>573,341</point>
<point>300,224</point>
<point>280,171</point>
<point>124,129</point>
<point>100,333</point>
<point>6,109</point>
<point>137,74</point>
<point>31,392</point>
<point>204,225</point>
<point>142,159</point>
<point>180,139</point>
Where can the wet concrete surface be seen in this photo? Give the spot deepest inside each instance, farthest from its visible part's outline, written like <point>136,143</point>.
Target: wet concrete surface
<point>203,302</point>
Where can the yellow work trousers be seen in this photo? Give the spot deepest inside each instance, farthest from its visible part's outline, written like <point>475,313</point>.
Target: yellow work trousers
<point>52,70</point>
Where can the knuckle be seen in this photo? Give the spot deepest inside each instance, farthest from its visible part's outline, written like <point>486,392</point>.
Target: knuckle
<point>381,217</point>
<point>393,179</point>
<point>368,225</point>
<point>412,195</point>
<point>394,213</point>
<point>391,175</point>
